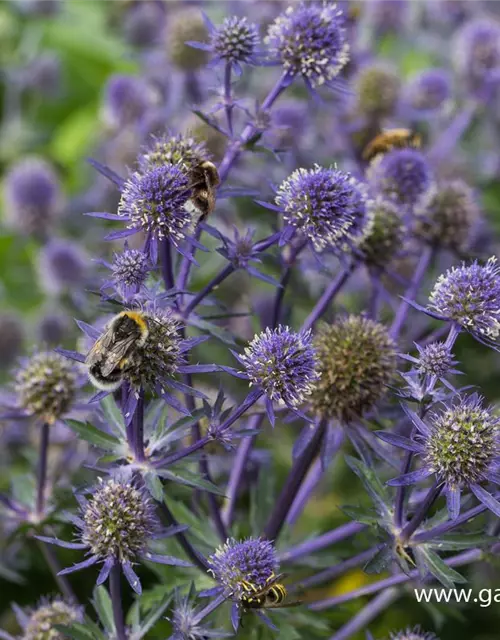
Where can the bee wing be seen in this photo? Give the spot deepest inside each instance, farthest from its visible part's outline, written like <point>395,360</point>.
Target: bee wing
<point>283,605</point>
<point>116,351</point>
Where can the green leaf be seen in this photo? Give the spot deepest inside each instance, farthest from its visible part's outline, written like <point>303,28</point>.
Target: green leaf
<point>153,485</point>
<point>379,561</point>
<point>164,432</point>
<point>218,332</point>
<point>152,618</point>
<point>74,136</point>
<point>94,435</point>
<point>361,514</point>
<point>23,489</point>
<point>114,416</point>
<point>10,575</point>
<point>455,542</point>
<point>263,496</point>
<point>104,608</point>
<point>372,484</point>
<point>437,567</point>
<point>79,631</point>
<point>197,525</point>
<point>191,480</point>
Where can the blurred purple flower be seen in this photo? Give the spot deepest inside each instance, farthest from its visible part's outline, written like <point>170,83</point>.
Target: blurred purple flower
<point>310,40</point>
<point>427,93</point>
<point>126,99</point>
<point>62,267</point>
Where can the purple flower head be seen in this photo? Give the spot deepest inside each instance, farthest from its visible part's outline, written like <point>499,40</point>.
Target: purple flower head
<point>459,445</point>
<point>377,87</point>
<point>402,175</point>
<point>155,202</point>
<point>470,295</point>
<point>235,41</point>
<point>446,215</point>
<point>436,359</point>
<point>126,100</point>
<point>43,75</point>
<point>282,363</point>
<point>130,271</point>
<point>40,623</point>
<point>387,15</point>
<point>144,23</point>
<point>187,623</point>
<point>45,385</point>
<point>310,39</point>
<point>62,266</point>
<point>330,207</point>
<point>385,235</point>
<point>252,560</point>
<point>52,328</point>
<point>11,337</point>
<point>173,149</point>
<point>117,525</point>
<point>33,197</point>
<point>477,56</point>
<point>186,25</point>
<point>357,361</point>
<point>414,633</point>
<point>427,92</point>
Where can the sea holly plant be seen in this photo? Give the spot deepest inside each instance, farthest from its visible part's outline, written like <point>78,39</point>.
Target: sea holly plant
<point>265,382</point>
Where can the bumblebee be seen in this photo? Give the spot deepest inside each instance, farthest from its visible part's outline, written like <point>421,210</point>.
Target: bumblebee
<point>391,139</point>
<point>204,179</point>
<point>271,596</point>
<point>117,349</point>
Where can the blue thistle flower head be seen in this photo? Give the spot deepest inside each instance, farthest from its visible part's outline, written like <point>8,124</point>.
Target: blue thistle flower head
<point>156,202</point>
<point>330,207</point>
<point>403,175</point>
<point>377,87</point>
<point>126,100</point>
<point>477,56</point>
<point>252,560</point>
<point>130,271</point>
<point>459,445</point>
<point>427,92</point>
<point>33,196</point>
<point>144,23</point>
<point>62,266</point>
<point>186,621</point>
<point>470,295</point>
<point>235,41</point>
<point>117,524</point>
<point>436,359</point>
<point>40,623</point>
<point>310,39</point>
<point>283,364</point>
<point>173,149</point>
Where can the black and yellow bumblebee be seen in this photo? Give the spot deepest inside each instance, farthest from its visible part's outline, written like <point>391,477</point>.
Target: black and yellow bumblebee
<point>272,595</point>
<point>204,180</point>
<point>117,349</point>
<point>391,139</point>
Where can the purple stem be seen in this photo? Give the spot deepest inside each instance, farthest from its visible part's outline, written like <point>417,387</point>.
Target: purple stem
<point>400,578</point>
<point>237,470</point>
<point>61,581</point>
<point>182,453</point>
<point>235,149</point>
<point>212,606</point>
<point>367,614</point>
<point>411,293</point>
<point>327,297</point>
<point>166,264</point>
<point>138,428</point>
<point>228,98</point>
<point>42,469</point>
<point>116,600</point>
<point>321,542</point>
<point>441,529</point>
<point>298,472</point>
<point>198,559</point>
<point>333,572</point>
<point>310,482</point>
<point>450,137</point>
<point>215,282</point>
<point>422,511</point>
